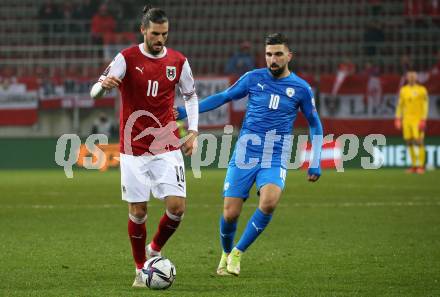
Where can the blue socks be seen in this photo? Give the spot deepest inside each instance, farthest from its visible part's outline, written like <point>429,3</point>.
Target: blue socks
<point>256,224</point>
<point>227,233</point>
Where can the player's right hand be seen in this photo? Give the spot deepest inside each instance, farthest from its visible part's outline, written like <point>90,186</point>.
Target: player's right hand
<point>398,124</point>
<point>111,82</point>
<point>313,174</point>
<point>179,113</point>
<point>175,113</point>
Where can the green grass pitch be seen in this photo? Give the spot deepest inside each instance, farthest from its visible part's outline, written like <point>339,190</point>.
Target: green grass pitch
<point>357,233</point>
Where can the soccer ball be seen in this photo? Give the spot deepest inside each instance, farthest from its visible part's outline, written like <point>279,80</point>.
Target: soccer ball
<point>158,273</point>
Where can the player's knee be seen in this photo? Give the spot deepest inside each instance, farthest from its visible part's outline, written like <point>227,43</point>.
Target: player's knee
<point>176,210</point>
<point>137,213</point>
<point>268,205</point>
<point>231,214</point>
<point>268,208</point>
<point>137,210</point>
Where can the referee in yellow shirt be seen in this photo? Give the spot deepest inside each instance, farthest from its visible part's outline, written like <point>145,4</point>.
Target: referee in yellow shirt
<point>411,114</point>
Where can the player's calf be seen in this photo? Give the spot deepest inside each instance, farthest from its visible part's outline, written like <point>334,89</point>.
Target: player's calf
<point>137,234</point>
<point>167,226</point>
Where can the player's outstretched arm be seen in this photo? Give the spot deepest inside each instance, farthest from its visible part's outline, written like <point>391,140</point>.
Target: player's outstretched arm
<point>210,103</point>
<point>316,135</point>
<point>308,108</point>
<point>236,91</point>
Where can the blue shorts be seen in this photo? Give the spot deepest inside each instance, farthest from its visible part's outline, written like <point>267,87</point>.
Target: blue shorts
<point>238,182</point>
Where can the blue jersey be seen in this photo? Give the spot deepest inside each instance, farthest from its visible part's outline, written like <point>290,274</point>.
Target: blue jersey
<point>272,108</point>
<point>273,103</point>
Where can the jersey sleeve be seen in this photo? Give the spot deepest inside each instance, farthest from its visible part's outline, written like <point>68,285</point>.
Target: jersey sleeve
<point>307,102</point>
<point>308,108</point>
<point>116,68</point>
<point>239,89</point>
<point>186,82</point>
<point>399,107</point>
<point>425,104</point>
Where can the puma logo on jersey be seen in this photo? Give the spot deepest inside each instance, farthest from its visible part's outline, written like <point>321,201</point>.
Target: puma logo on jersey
<point>261,86</point>
<point>141,70</point>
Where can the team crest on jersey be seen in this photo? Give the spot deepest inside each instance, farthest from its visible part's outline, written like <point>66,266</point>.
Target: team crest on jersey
<point>171,72</point>
<point>290,92</point>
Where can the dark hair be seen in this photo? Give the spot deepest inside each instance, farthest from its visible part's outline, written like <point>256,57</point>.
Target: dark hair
<point>276,38</point>
<point>154,15</point>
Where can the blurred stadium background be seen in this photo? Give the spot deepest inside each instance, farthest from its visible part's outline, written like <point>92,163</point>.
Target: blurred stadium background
<point>354,54</point>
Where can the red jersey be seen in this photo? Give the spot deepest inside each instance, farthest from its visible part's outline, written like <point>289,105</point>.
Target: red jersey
<point>147,124</point>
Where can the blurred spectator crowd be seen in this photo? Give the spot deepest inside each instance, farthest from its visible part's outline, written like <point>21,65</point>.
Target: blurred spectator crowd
<point>105,23</point>
<point>103,19</point>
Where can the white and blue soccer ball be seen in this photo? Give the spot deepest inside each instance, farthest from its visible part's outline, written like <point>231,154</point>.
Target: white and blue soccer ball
<point>158,273</point>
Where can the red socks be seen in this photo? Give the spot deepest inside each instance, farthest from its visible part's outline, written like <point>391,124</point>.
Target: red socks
<point>167,226</point>
<point>138,235</point>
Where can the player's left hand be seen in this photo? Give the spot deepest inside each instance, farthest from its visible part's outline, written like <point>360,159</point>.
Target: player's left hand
<point>422,125</point>
<point>175,113</point>
<point>190,145</point>
<point>397,123</point>
<point>179,112</point>
<point>313,174</point>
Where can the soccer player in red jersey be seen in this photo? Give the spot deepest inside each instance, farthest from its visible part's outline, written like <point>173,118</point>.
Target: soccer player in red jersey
<point>150,156</point>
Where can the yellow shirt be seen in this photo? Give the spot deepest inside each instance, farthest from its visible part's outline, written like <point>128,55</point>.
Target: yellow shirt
<point>413,103</point>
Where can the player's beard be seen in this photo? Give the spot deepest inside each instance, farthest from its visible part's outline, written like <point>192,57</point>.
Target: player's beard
<point>151,49</point>
<point>277,72</point>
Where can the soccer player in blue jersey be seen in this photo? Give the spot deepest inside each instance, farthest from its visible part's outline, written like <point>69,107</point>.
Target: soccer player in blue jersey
<point>275,96</point>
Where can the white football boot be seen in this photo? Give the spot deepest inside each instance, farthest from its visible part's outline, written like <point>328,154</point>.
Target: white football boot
<point>234,260</point>
<point>221,269</point>
<point>138,283</point>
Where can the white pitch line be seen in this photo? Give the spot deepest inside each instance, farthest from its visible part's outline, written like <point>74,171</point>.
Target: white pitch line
<point>249,205</point>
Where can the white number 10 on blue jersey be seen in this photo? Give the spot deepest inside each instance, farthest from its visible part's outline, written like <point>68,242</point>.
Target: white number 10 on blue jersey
<point>274,101</point>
